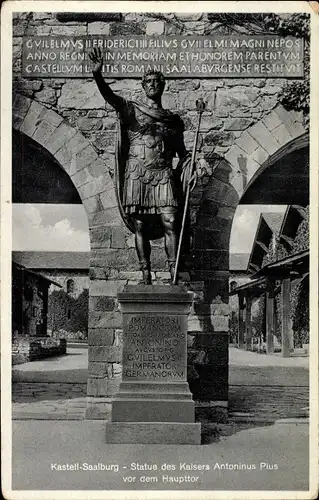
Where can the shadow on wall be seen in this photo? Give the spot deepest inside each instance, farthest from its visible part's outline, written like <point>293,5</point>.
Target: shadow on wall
<point>242,164</point>
<point>212,207</point>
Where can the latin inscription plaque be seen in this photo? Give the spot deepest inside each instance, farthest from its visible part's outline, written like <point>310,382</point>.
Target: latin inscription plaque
<point>175,56</point>
<point>154,348</point>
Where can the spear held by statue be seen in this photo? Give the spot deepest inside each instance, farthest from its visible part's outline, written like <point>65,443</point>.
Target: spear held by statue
<point>200,106</point>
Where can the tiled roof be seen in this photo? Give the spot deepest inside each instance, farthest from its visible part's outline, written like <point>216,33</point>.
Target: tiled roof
<point>274,220</point>
<point>52,260</point>
<point>238,261</point>
<point>269,224</point>
<point>38,275</point>
<point>80,260</point>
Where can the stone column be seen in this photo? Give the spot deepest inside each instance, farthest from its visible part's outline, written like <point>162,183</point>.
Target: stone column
<point>286,332</point>
<point>154,403</point>
<point>248,326</point>
<point>241,326</point>
<point>45,309</point>
<point>270,318</point>
<point>208,346</point>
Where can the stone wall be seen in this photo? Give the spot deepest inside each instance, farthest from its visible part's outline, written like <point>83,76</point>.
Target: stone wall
<point>30,349</point>
<point>30,392</point>
<point>79,278</point>
<point>242,126</point>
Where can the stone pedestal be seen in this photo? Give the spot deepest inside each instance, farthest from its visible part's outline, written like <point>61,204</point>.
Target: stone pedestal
<point>154,404</point>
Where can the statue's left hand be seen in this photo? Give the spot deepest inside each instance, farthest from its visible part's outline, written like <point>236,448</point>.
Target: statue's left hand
<point>200,170</point>
<point>186,179</point>
<point>193,181</point>
<point>203,168</point>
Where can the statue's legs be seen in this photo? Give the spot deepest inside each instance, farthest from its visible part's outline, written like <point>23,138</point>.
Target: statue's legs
<point>168,218</point>
<point>143,249</point>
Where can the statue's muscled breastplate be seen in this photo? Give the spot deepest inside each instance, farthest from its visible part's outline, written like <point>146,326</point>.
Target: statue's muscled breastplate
<point>151,143</point>
<point>153,137</point>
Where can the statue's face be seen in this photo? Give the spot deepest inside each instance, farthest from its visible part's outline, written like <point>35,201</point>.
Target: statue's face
<point>152,86</point>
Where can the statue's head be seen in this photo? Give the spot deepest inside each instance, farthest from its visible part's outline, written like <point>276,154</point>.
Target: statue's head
<point>153,82</point>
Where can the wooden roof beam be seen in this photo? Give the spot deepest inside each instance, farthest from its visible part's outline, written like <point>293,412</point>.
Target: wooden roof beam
<point>301,210</point>
<point>254,266</point>
<point>287,239</point>
<point>262,245</point>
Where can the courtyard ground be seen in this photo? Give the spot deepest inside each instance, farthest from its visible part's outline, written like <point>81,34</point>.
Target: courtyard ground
<point>277,457</point>
<point>268,425</point>
<point>261,387</point>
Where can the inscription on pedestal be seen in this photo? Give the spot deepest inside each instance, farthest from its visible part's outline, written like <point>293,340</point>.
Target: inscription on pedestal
<point>154,348</point>
<point>154,404</point>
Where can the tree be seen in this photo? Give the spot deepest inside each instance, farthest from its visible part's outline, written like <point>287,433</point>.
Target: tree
<point>81,312</point>
<point>58,305</point>
<point>68,313</point>
<point>300,312</point>
<point>233,328</point>
<point>258,321</point>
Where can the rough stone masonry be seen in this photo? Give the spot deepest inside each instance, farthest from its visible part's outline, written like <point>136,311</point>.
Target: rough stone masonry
<point>243,125</point>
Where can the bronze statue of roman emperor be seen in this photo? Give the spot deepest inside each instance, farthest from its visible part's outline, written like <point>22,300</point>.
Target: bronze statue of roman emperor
<point>149,191</point>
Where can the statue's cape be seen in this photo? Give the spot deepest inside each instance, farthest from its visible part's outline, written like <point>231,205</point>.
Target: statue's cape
<point>162,115</point>
<point>121,153</point>
<point>155,230</point>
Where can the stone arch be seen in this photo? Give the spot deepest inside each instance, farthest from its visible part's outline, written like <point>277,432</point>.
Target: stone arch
<point>213,208</point>
<point>72,151</point>
<point>91,178</point>
<point>36,176</point>
<point>291,160</point>
<point>258,145</point>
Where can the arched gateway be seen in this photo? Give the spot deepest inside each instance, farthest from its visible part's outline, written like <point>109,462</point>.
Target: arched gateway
<point>113,262</point>
<point>58,106</point>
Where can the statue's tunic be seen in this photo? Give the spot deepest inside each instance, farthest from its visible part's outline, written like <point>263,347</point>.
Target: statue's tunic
<point>155,136</point>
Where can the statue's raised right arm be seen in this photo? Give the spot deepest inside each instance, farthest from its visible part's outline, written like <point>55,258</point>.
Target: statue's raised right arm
<point>114,100</point>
